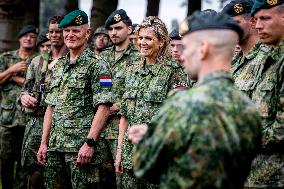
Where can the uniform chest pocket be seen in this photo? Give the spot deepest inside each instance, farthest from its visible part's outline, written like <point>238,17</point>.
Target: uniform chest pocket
<point>154,96</point>
<point>7,113</point>
<point>265,99</point>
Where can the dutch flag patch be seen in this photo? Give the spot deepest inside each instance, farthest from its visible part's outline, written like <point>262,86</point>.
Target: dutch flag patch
<point>105,81</point>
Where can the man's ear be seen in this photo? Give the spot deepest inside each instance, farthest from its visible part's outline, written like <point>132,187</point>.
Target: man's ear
<point>252,22</point>
<point>282,19</point>
<point>204,50</point>
<point>129,30</point>
<point>88,32</point>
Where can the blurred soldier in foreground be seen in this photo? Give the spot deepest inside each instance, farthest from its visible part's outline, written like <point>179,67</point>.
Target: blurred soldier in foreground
<point>101,40</point>
<point>78,104</point>
<point>268,94</point>
<point>32,100</point>
<point>205,137</point>
<point>13,67</point>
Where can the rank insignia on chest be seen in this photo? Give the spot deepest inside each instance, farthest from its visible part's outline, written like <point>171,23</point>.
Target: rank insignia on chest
<point>105,81</point>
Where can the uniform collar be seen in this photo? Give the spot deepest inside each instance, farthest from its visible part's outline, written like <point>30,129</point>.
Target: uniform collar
<point>215,76</point>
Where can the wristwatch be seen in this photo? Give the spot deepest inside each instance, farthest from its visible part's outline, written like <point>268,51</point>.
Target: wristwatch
<point>90,142</point>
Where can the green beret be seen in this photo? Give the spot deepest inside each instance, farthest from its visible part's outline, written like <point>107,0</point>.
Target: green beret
<point>264,4</point>
<point>206,21</point>
<point>27,29</point>
<point>115,17</point>
<point>42,37</point>
<point>74,18</point>
<point>238,7</point>
<point>174,35</point>
<point>100,30</point>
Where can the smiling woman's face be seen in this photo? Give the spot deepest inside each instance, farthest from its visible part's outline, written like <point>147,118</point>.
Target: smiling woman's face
<point>148,43</point>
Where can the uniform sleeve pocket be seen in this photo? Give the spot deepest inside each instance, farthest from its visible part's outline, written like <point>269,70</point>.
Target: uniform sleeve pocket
<point>7,113</point>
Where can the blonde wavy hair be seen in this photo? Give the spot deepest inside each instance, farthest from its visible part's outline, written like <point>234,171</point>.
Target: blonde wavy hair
<point>161,32</point>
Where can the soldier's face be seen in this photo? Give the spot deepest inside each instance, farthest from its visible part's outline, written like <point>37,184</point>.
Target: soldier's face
<point>44,47</point>
<point>28,40</point>
<point>76,36</point>
<point>270,25</point>
<point>245,24</point>
<point>119,32</point>
<point>176,49</point>
<point>101,41</point>
<point>55,35</point>
<point>148,43</point>
<point>190,56</point>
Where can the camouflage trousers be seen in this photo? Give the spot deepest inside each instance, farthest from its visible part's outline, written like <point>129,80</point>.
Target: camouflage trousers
<point>31,143</point>
<point>112,144</point>
<point>62,172</point>
<point>10,154</point>
<point>267,171</point>
<point>129,181</point>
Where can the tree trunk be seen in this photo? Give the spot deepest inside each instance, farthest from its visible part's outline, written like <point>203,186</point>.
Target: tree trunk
<point>52,8</point>
<point>192,6</point>
<point>101,10</point>
<point>153,7</point>
<point>13,15</point>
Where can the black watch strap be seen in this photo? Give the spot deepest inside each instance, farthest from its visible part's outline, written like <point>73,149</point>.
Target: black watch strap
<point>90,142</point>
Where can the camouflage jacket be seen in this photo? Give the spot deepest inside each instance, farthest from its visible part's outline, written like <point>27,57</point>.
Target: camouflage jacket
<point>246,70</point>
<point>76,88</point>
<point>36,82</point>
<point>267,168</point>
<point>146,87</point>
<point>205,137</point>
<point>11,114</point>
<point>118,69</point>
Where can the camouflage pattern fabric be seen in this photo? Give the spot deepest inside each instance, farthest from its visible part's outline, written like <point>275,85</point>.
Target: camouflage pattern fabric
<point>118,66</point>
<point>146,87</point>
<point>61,167</point>
<point>12,120</point>
<point>205,137</point>
<point>76,88</point>
<point>37,78</point>
<point>11,114</point>
<point>267,168</point>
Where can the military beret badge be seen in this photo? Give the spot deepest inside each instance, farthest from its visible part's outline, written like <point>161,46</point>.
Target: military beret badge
<point>79,20</point>
<point>117,17</point>
<point>238,8</point>
<point>184,27</point>
<point>272,2</point>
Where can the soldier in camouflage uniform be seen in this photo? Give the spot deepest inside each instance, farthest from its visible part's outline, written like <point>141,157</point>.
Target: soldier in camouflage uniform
<point>266,91</point>
<point>42,42</point>
<point>176,51</point>
<point>252,53</point>
<point>101,40</point>
<point>147,84</point>
<point>32,100</point>
<point>205,137</point>
<point>118,57</point>
<point>13,67</point>
<point>79,101</point>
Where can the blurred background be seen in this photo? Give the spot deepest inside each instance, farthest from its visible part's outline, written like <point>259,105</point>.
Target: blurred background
<point>16,13</point>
